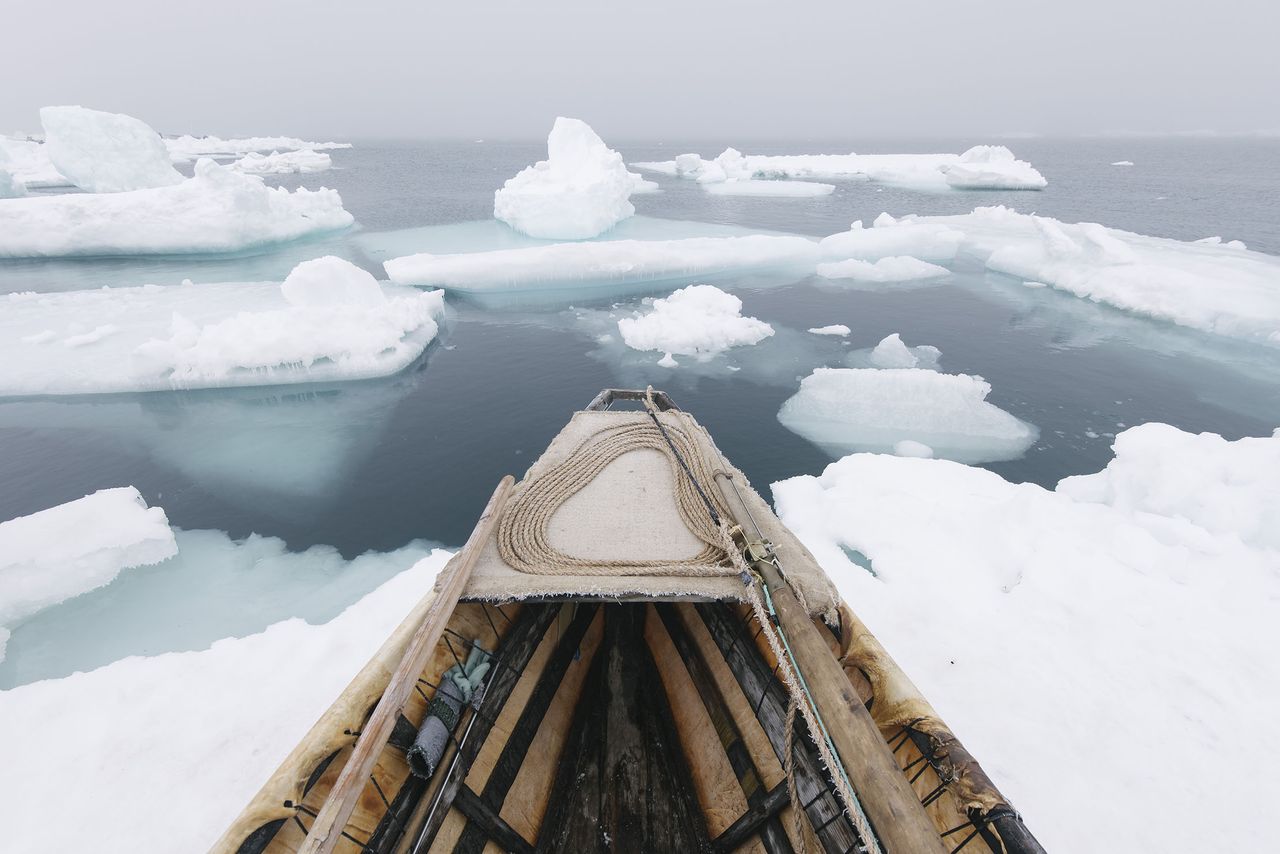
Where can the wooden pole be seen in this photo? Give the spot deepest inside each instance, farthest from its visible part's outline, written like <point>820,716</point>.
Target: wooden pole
<point>336,811</point>
<point>887,798</point>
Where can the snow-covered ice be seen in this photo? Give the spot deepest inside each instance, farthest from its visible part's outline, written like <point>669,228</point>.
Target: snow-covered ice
<point>983,167</point>
<point>216,211</point>
<point>187,148</point>
<point>833,329</point>
<point>329,320</point>
<point>64,551</point>
<point>283,162</point>
<point>890,237</point>
<point>700,321</point>
<point>1130,613</point>
<point>865,409</point>
<point>893,268</point>
<point>1209,285</point>
<point>106,152</point>
<point>581,190</point>
<point>10,187</point>
<point>614,264</point>
<point>28,161</point>
<point>891,352</point>
<point>138,748</point>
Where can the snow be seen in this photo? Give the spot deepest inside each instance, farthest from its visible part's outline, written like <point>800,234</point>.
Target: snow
<point>28,162</point>
<point>283,163</point>
<point>106,152</point>
<point>64,551</point>
<point>1130,613</point>
<point>566,266</point>
<point>260,695</point>
<point>894,268</point>
<point>864,409</point>
<point>889,237</point>
<point>773,189</point>
<point>216,211</point>
<point>983,167</point>
<point>1212,286</point>
<point>700,320</point>
<point>329,321</point>
<point>581,190</point>
<point>185,148</point>
<point>833,329</point>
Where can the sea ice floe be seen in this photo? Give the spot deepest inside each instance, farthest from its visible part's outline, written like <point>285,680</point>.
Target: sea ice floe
<point>833,329</point>
<point>613,265</point>
<point>329,320</point>
<point>983,167</point>
<point>187,148</point>
<point>889,237</point>
<point>64,551</point>
<point>891,352</point>
<point>138,747</point>
<point>216,211</point>
<point>581,190</point>
<point>700,321</point>
<point>106,152</point>
<point>1212,286</point>
<point>1153,583</point>
<point>893,268</point>
<point>28,161</point>
<point>863,409</point>
<point>283,162</point>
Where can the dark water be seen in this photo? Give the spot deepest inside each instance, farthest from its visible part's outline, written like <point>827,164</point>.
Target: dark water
<point>373,465</point>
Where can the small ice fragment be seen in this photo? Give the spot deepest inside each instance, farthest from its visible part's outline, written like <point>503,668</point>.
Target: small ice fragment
<point>892,353</point>
<point>912,448</point>
<point>667,361</point>
<point>833,329</point>
<point>1123,163</point>
<point>700,321</point>
<point>283,162</point>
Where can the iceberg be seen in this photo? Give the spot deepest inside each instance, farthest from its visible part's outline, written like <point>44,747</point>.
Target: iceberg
<point>106,152</point>
<point>937,244</point>
<point>1153,583</point>
<point>612,264</point>
<point>139,748</point>
<point>283,163</point>
<point>700,321</point>
<point>216,211</point>
<point>983,167</point>
<point>55,554</point>
<point>863,409</point>
<point>581,190</point>
<point>183,149</point>
<point>1212,286</point>
<point>328,321</point>
<point>893,268</point>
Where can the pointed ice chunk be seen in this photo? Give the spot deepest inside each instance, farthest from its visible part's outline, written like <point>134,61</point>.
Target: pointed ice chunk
<point>106,152</point>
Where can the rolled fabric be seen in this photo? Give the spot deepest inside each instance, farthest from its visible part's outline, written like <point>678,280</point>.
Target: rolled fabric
<point>456,689</point>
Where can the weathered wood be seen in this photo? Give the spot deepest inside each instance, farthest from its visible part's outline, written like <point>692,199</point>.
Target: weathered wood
<point>517,746</point>
<point>609,396</point>
<point>754,820</point>
<point>518,646</point>
<point>327,828</point>
<point>482,816</point>
<point>771,833</point>
<point>891,806</point>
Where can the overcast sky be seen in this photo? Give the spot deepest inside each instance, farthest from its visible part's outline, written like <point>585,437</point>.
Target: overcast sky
<point>651,70</point>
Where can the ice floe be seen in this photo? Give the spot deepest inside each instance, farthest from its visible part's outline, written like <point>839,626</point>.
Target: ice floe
<point>889,237</point>
<point>28,161</point>
<point>138,746</point>
<point>106,152</point>
<point>983,167</point>
<point>1124,612</point>
<point>64,551</point>
<point>700,321</point>
<point>892,352</point>
<point>1213,286</point>
<point>833,329</point>
<point>329,320</point>
<point>186,148</point>
<point>581,190</point>
<point>283,162</point>
<point>216,211</point>
<point>893,268</point>
<point>862,409</point>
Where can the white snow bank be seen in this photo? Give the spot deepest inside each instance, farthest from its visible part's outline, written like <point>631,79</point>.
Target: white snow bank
<point>186,148</point>
<point>833,329</point>
<point>329,321</point>
<point>283,162</point>
<point>889,237</point>
<point>581,190</point>
<point>847,409</point>
<point>106,152</point>
<point>28,162</point>
<point>1127,614</point>
<point>700,320</point>
<point>894,268</point>
<point>64,551</point>
<point>1213,286</point>
<point>137,748</point>
<point>983,167</point>
<point>891,352</point>
<point>218,210</point>
<point>561,265</point>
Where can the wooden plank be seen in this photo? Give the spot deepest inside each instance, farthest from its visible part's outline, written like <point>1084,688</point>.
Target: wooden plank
<point>327,828</point>
<point>482,816</point>
<point>892,808</point>
<point>754,820</point>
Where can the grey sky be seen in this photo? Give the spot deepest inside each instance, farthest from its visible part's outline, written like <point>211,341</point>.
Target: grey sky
<point>490,68</point>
